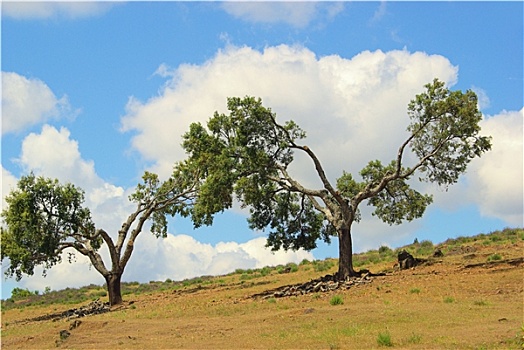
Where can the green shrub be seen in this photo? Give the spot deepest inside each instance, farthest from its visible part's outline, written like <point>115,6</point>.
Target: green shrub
<point>414,291</point>
<point>19,293</point>
<point>495,257</point>
<point>322,265</point>
<point>426,247</point>
<point>384,339</point>
<point>385,250</point>
<point>415,339</point>
<point>336,300</point>
<point>449,300</point>
<point>246,276</point>
<point>101,293</point>
<point>495,238</point>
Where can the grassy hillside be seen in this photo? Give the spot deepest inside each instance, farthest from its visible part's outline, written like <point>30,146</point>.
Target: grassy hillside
<point>469,298</point>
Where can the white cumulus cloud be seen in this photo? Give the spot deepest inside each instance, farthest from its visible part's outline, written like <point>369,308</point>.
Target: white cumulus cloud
<point>351,100</point>
<point>498,179</point>
<point>8,184</point>
<point>27,102</point>
<point>353,110</point>
<point>181,256</point>
<point>53,153</point>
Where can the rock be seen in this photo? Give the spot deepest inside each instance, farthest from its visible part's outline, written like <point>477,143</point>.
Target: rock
<point>322,284</point>
<point>405,260</point>
<point>74,324</point>
<point>438,253</point>
<point>64,334</point>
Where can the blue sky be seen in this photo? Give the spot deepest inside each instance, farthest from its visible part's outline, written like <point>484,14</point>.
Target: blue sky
<point>95,93</point>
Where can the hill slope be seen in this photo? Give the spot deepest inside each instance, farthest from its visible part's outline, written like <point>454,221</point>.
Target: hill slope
<point>470,298</point>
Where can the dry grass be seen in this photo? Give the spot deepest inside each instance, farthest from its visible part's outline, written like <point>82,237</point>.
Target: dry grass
<point>453,308</point>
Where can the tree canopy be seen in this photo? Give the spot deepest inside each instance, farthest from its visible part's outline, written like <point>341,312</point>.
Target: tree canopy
<point>246,153</point>
<point>45,218</point>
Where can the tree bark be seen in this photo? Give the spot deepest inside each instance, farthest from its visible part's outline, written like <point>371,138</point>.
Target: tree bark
<point>113,288</point>
<point>345,255</point>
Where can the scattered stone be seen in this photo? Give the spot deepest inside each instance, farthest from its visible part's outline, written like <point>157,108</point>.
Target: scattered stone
<point>514,262</point>
<point>93,308</point>
<point>309,310</point>
<point>438,253</point>
<point>74,324</point>
<point>323,284</point>
<point>407,261</point>
<point>64,334</point>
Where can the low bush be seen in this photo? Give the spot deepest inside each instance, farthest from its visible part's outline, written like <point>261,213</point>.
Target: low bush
<point>495,257</point>
<point>449,300</point>
<point>336,300</point>
<point>384,339</point>
<point>385,250</point>
<point>322,265</point>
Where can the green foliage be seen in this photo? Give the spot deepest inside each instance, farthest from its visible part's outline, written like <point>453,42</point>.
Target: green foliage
<point>385,250</point>
<point>414,290</point>
<point>19,293</point>
<point>495,257</point>
<point>165,198</point>
<point>425,248</point>
<point>396,201</point>
<point>415,339</point>
<point>323,265</point>
<point>384,339</point>
<point>45,218</point>
<point>449,300</point>
<point>445,128</point>
<point>336,300</point>
<point>265,271</point>
<point>246,153</point>
<point>41,217</point>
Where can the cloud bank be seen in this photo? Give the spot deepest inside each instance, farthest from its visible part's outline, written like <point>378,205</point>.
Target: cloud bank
<point>29,101</point>
<point>353,110</point>
<point>498,179</point>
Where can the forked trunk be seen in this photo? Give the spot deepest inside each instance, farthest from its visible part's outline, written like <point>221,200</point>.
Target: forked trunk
<point>345,255</point>
<point>113,288</point>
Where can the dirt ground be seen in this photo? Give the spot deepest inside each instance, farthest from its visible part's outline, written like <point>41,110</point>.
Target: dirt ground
<point>458,302</point>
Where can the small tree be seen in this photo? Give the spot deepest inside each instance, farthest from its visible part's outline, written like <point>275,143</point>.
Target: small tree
<point>45,218</point>
<point>247,153</point>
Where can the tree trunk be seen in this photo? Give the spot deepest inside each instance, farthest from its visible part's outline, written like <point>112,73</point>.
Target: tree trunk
<point>345,255</point>
<point>113,288</point>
